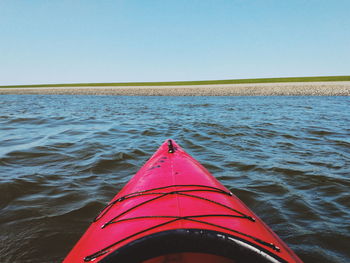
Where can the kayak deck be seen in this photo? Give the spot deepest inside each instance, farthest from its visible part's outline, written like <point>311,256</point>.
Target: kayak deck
<point>174,210</point>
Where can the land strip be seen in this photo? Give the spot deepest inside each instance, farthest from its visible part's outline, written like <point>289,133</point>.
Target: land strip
<point>291,88</point>
<point>187,83</point>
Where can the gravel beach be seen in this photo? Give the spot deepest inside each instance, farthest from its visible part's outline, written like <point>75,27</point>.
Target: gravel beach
<point>336,88</point>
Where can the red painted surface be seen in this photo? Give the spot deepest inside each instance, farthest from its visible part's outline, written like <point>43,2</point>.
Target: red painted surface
<point>164,169</point>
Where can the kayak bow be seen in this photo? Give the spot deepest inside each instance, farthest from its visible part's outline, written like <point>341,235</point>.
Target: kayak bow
<point>174,210</point>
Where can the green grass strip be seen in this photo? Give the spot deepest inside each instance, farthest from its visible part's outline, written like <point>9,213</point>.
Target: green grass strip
<point>202,82</point>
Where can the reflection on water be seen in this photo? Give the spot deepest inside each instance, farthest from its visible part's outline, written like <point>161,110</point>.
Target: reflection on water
<point>63,157</point>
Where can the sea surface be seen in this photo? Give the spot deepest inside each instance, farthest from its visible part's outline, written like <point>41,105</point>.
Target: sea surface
<point>62,158</point>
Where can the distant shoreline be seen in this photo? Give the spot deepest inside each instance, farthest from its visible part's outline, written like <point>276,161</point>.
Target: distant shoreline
<point>186,83</point>
<point>322,88</point>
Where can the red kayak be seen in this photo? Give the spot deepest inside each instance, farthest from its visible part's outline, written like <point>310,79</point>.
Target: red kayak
<point>174,210</point>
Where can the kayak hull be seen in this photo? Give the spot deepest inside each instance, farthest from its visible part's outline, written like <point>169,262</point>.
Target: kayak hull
<point>173,207</point>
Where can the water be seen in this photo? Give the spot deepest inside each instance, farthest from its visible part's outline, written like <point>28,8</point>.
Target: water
<point>62,158</point>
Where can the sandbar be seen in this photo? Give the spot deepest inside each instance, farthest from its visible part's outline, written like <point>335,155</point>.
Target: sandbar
<point>331,88</point>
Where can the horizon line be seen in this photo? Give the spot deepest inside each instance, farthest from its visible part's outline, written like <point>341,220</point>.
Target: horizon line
<point>191,82</point>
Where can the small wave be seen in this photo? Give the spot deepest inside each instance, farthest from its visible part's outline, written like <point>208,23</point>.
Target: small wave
<point>320,132</point>
<point>30,121</point>
<point>244,167</point>
<point>191,106</point>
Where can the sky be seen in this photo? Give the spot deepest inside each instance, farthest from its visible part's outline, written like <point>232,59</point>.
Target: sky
<point>66,41</point>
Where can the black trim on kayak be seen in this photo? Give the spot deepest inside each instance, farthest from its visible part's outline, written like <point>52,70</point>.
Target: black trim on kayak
<point>172,219</point>
<point>191,240</point>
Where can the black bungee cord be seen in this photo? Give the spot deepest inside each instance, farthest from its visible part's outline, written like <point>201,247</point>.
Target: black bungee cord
<point>193,218</point>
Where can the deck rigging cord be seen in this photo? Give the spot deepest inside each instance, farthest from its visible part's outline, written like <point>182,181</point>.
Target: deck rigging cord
<point>194,218</point>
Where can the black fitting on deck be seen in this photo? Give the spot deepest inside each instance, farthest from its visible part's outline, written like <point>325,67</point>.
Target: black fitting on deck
<point>171,146</point>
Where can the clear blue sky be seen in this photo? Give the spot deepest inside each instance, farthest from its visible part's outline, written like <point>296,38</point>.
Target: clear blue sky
<point>61,41</point>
